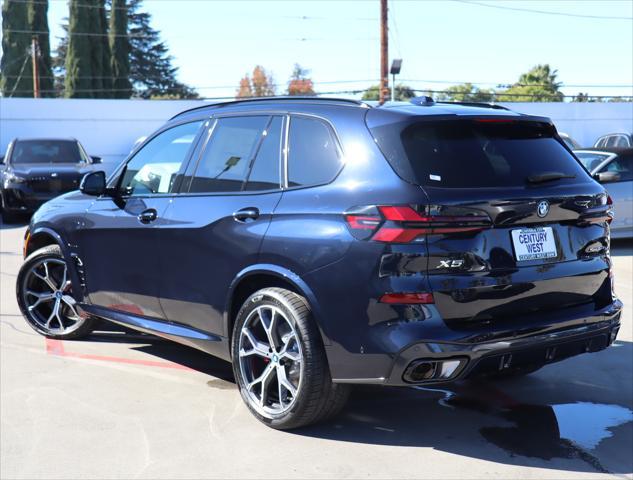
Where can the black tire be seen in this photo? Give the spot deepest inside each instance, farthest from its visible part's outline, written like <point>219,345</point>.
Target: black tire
<point>317,398</point>
<point>76,329</point>
<point>9,217</point>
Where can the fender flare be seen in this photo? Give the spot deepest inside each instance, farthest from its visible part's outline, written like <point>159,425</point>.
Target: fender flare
<point>283,273</point>
<point>66,253</point>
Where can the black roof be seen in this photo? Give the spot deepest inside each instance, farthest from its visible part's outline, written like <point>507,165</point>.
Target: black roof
<point>392,108</point>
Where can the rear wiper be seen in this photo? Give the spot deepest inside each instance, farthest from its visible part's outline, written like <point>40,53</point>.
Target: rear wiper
<point>547,177</point>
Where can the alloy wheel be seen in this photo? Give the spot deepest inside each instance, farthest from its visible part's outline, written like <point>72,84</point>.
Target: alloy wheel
<point>47,295</point>
<point>270,361</point>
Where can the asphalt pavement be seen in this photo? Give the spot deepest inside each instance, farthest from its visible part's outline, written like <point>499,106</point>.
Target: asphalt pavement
<point>121,405</point>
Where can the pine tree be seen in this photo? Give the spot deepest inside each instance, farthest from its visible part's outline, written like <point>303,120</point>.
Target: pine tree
<point>38,22</point>
<point>120,50</point>
<point>151,71</point>
<point>79,61</point>
<point>16,79</point>
<point>102,80</point>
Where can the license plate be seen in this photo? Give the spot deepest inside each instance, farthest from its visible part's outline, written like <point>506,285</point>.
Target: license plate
<point>533,243</point>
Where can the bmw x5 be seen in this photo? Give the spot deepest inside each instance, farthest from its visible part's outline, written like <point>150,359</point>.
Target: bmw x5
<point>320,243</point>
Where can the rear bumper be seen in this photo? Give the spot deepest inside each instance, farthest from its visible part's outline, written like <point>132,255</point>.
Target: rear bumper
<point>536,347</point>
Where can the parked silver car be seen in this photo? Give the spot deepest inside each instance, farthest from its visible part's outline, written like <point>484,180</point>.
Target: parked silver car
<point>615,140</point>
<point>614,168</point>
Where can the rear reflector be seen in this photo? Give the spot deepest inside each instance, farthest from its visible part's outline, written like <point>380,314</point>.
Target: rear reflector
<point>407,298</point>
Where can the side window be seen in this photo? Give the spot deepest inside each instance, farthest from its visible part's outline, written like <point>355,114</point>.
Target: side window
<point>622,165</point>
<point>265,172</point>
<point>611,141</point>
<point>313,157</point>
<point>225,161</point>
<point>154,168</point>
<point>621,141</point>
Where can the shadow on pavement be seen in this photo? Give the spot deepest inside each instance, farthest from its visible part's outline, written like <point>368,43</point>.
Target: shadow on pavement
<point>573,414</point>
<point>569,410</point>
<point>621,247</point>
<point>18,224</point>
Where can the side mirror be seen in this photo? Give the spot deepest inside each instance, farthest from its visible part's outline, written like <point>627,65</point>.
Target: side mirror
<point>95,159</point>
<point>607,177</point>
<point>93,183</point>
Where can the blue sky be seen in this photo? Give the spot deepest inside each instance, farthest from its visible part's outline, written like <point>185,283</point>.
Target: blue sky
<point>214,43</point>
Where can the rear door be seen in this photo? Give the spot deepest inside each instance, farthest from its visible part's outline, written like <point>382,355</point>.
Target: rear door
<point>519,226</point>
<point>215,227</point>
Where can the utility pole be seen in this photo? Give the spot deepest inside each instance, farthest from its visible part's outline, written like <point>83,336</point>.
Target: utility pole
<point>384,52</point>
<point>35,53</point>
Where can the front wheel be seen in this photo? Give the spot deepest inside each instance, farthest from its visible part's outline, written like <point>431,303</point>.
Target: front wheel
<point>279,362</point>
<point>45,296</point>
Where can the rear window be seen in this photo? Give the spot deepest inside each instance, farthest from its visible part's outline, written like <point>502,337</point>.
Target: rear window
<point>46,151</point>
<point>474,153</point>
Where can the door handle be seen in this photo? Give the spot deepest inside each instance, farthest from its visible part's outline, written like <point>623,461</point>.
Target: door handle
<point>148,216</point>
<point>246,214</point>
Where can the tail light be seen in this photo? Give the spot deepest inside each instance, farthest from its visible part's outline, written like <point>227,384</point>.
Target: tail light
<point>403,224</point>
<point>407,298</point>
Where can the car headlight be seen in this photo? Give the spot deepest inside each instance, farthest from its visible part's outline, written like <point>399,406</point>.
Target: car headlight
<point>13,178</point>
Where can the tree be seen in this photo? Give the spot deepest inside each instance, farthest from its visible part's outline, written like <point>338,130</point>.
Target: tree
<point>100,50</point>
<point>16,70</point>
<point>300,83</point>
<point>259,84</point>
<point>79,63</point>
<point>466,92</point>
<point>59,60</point>
<point>537,85</point>
<point>262,83</point>
<point>402,93</point>
<point>245,89</point>
<point>151,71</point>
<point>120,50</point>
<point>38,22</point>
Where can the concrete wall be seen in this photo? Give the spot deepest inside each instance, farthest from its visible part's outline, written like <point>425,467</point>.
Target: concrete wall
<point>108,128</point>
<point>585,122</point>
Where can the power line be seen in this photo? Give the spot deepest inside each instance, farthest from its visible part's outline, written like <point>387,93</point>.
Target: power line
<point>79,34</point>
<point>544,12</point>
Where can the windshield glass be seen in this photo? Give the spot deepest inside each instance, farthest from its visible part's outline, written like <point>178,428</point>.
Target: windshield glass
<point>46,151</point>
<point>590,160</point>
<point>475,153</point>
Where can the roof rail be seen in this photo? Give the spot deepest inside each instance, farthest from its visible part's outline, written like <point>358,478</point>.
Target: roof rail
<point>477,104</point>
<point>293,98</point>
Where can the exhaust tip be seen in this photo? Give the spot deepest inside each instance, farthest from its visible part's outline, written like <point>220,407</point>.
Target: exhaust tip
<point>422,370</point>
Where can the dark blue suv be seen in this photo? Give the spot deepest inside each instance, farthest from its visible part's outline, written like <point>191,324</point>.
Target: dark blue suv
<point>318,243</point>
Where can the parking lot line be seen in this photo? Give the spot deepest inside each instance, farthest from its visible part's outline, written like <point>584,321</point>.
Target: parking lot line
<point>56,347</point>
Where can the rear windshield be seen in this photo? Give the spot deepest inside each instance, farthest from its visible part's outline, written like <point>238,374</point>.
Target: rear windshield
<point>474,153</point>
<point>46,151</point>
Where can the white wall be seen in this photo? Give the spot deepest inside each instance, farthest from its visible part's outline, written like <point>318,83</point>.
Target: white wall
<point>108,128</point>
<point>585,122</point>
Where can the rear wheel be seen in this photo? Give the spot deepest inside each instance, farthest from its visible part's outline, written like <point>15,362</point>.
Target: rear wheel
<point>280,364</point>
<point>45,296</point>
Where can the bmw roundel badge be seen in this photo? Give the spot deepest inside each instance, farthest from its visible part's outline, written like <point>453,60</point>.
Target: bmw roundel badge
<point>543,208</point>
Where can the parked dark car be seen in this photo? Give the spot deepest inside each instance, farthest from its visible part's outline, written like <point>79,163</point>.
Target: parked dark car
<point>613,167</point>
<point>35,170</point>
<point>320,243</point>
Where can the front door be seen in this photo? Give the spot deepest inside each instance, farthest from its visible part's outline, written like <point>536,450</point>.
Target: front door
<point>216,225</point>
<point>120,240</point>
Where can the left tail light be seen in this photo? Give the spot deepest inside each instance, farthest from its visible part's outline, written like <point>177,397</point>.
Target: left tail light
<point>404,224</point>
